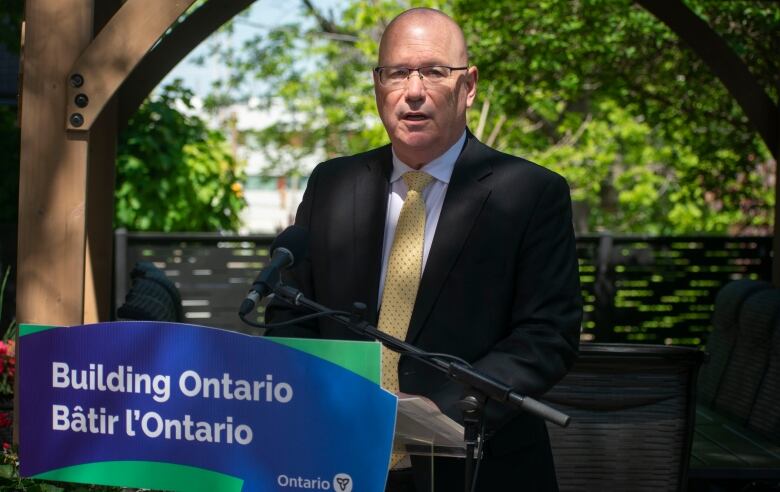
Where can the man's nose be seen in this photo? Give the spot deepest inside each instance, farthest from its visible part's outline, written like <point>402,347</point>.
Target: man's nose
<point>415,88</point>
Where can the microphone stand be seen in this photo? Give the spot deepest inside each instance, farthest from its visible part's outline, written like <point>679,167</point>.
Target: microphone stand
<point>479,386</point>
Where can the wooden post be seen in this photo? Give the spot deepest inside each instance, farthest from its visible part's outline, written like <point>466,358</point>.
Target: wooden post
<point>101,165</point>
<point>98,263</point>
<point>53,167</point>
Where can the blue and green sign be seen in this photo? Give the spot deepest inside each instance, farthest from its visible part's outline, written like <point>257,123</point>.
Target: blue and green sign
<point>182,407</point>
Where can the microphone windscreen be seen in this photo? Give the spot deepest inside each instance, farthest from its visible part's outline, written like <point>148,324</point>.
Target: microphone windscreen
<point>295,239</point>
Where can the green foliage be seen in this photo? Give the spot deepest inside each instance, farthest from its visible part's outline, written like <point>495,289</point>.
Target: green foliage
<point>599,90</point>
<point>607,95</point>
<point>633,181</point>
<point>173,172</point>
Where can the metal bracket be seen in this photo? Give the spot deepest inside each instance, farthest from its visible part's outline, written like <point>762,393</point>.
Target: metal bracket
<point>108,60</point>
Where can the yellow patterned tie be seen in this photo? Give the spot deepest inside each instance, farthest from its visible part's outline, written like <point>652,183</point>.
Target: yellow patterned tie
<point>404,268</point>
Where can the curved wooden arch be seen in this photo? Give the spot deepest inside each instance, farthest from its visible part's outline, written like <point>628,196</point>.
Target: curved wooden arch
<point>106,62</point>
<point>185,37</point>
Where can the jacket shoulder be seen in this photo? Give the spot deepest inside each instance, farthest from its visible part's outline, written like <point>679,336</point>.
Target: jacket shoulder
<point>509,166</point>
<point>347,164</point>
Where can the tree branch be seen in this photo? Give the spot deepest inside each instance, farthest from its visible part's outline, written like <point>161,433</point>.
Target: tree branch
<point>327,25</point>
<point>496,129</point>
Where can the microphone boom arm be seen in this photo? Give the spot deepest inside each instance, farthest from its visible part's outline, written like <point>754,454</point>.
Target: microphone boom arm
<point>455,370</point>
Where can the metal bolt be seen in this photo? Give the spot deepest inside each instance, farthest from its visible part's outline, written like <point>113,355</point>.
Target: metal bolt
<point>76,119</point>
<point>81,100</point>
<point>76,80</point>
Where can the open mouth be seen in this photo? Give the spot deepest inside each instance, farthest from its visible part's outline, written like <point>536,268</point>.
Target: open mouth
<point>415,117</point>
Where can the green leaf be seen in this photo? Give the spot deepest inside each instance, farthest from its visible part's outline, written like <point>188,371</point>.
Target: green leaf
<point>7,471</point>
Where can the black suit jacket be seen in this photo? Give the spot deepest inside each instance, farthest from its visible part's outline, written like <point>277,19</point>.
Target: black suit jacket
<point>500,288</point>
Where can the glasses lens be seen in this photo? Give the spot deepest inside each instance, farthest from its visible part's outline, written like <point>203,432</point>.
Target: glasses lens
<point>393,75</point>
<point>435,74</point>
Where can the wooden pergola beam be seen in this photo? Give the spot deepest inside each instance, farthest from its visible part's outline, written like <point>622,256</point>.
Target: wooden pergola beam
<point>99,211</point>
<point>104,65</point>
<point>53,168</point>
<point>171,49</point>
<point>762,112</point>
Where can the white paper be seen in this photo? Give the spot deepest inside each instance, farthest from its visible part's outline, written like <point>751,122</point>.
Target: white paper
<point>422,429</point>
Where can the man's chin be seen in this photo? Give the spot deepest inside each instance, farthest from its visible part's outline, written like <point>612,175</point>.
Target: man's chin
<point>411,152</point>
<point>416,142</point>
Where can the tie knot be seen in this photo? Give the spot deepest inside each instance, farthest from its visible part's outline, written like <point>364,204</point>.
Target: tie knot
<point>417,180</point>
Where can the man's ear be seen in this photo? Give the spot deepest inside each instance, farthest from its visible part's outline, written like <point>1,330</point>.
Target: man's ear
<point>472,76</point>
<point>376,86</point>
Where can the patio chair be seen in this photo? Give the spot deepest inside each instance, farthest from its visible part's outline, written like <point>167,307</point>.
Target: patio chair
<point>632,412</point>
<point>750,355</point>
<point>720,343</point>
<point>765,415</point>
<point>736,434</point>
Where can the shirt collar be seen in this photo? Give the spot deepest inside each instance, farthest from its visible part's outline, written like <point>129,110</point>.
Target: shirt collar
<point>440,168</point>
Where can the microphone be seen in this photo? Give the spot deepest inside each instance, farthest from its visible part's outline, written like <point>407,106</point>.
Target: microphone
<point>288,247</point>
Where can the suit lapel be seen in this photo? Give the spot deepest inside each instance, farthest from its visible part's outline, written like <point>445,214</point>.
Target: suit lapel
<point>466,195</point>
<point>371,192</point>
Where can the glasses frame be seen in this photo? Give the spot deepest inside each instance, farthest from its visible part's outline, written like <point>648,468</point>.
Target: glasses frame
<point>378,69</point>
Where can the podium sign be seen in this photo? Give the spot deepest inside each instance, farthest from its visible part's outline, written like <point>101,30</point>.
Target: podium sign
<point>182,407</point>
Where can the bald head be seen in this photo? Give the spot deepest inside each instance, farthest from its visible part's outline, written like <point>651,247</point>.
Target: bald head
<point>414,22</point>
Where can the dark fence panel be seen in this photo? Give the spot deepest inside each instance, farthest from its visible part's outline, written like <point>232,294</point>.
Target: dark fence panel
<point>213,272</point>
<point>636,289</point>
<point>662,289</point>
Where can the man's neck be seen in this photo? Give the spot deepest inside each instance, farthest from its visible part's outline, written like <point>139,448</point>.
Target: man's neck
<point>419,159</point>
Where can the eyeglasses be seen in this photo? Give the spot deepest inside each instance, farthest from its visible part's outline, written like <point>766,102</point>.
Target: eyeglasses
<point>397,76</point>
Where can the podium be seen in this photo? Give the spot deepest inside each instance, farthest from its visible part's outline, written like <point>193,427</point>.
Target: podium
<point>173,406</point>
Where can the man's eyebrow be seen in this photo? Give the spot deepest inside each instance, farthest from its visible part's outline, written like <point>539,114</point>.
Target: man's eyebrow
<point>427,63</point>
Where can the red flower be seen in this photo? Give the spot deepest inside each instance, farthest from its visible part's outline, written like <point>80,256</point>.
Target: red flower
<point>7,366</point>
<point>6,419</point>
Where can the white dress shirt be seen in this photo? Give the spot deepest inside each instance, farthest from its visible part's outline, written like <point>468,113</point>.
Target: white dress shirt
<point>441,170</point>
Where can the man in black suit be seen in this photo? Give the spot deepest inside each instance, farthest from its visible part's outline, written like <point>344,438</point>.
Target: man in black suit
<point>498,280</point>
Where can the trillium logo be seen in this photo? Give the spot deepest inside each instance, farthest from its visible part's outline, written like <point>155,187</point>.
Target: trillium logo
<point>342,483</point>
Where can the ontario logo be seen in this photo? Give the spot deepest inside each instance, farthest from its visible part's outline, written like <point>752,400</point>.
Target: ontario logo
<point>341,483</point>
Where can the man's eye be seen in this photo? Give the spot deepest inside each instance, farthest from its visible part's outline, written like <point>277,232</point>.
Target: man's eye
<point>433,73</point>
<point>397,73</point>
